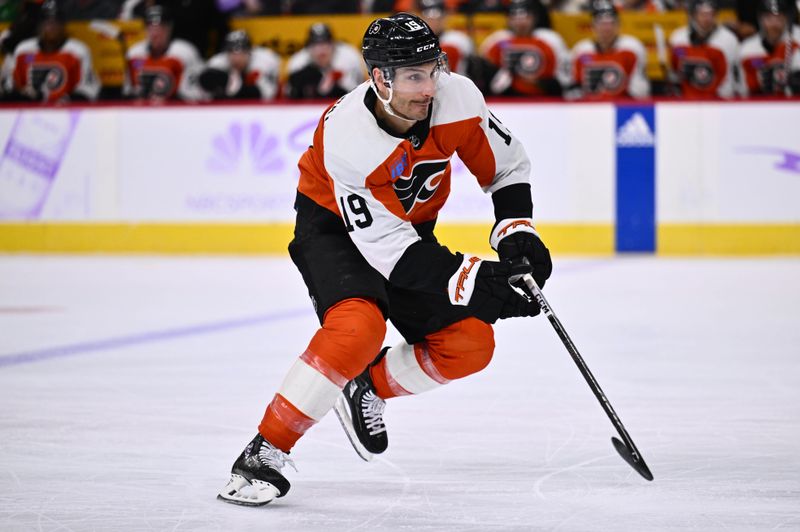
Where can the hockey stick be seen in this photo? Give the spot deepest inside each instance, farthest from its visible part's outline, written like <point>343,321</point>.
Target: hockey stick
<point>670,78</point>
<point>787,61</point>
<point>626,450</point>
<point>110,31</point>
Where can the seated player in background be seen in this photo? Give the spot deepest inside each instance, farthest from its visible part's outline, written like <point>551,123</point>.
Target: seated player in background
<point>370,190</point>
<point>704,54</point>
<point>241,71</point>
<point>642,6</point>
<point>51,67</point>
<point>324,68</point>
<point>161,68</point>
<point>610,65</point>
<point>531,61</point>
<point>456,44</point>
<point>771,58</point>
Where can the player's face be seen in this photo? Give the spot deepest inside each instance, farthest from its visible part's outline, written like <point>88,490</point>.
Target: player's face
<point>414,88</point>
<point>158,36</point>
<point>521,23</point>
<point>705,19</point>
<point>239,59</point>
<point>772,26</point>
<point>51,30</point>
<point>606,29</point>
<point>321,54</point>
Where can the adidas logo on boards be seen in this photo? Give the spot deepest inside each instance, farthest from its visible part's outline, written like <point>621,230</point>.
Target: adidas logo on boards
<point>635,133</point>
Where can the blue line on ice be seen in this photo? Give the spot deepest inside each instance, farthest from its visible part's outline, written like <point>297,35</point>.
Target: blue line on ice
<point>27,357</point>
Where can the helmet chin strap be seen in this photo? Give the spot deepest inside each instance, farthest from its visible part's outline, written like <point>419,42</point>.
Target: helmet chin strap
<point>387,102</point>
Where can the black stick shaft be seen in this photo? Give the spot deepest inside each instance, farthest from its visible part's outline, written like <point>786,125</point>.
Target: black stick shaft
<point>584,369</point>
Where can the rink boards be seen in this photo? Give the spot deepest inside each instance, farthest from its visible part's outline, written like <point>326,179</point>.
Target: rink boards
<point>670,178</point>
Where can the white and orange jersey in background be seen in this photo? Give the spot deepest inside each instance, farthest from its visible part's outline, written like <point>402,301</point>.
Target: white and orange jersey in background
<point>765,71</point>
<point>262,70</point>
<point>540,55</point>
<point>54,74</point>
<point>168,76</point>
<point>458,47</point>
<point>347,65</point>
<point>616,72</point>
<point>707,69</point>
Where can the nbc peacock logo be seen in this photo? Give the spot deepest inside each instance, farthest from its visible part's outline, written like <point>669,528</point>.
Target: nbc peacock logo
<point>245,148</point>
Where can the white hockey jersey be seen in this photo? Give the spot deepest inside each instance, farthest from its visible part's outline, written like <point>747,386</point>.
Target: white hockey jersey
<point>170,75</point>
<point>616,72</point>
<point>347,63</point>
<point>262,71</point>
<point>706,70</point>
<point>765,71</point>
<point>458,47</point>
<point>55,75</point>
<point>541,55</point>
<point>381,185</point>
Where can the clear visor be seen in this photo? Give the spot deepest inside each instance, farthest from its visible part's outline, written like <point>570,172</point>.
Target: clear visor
<point>422,78</point>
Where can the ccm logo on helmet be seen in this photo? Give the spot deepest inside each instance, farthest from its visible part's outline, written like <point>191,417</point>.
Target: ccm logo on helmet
<point>426,47</point>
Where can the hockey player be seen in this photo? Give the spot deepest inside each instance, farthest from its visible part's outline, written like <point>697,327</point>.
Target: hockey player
<point>52,67</point>
<point>241,71</point>
<point>610,65</point>
<point>456,44</point>
<point>370,188</point>
<point>771,58</point>
<point>531,61</point>
<point>162,68</point>
<point>324,68</point>
<point>705,54</point>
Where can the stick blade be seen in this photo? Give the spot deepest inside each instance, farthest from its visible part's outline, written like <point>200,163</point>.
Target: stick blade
<point>628,456</point>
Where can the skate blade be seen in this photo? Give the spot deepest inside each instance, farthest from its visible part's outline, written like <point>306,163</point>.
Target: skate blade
<point>343,413</point>
<point>245,493</point>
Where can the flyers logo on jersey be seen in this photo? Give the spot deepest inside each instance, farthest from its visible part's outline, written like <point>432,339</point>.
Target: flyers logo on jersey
<point>699,72</point>
<point>421,185</point>
<point>50,76</point>
<point>604,77</point>
<point>157,81</point>
<point>525,60</point>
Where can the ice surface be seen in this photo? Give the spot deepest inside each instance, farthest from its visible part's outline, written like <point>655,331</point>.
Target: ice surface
<point>129,385</point>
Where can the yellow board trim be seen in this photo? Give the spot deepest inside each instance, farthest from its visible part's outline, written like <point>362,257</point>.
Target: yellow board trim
<point>146,238</point>
<point>254,238</point>
<point>728,239</point>
<point>215,238</point>
<point>583,239</point>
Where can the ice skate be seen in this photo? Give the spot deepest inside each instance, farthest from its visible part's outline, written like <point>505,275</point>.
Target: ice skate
<point>360,412</point>
<point>256,477</point>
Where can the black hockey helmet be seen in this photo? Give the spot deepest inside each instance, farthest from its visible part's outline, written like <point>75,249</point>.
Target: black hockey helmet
<point>694,5</point>
<point>158,15</point>
<point>398,41</point>
<point>603,8</point>
<point>238,41</point>
<point>319,32</point>
<point>517,7</point>
<point>776,7</point>
<point>51,10</point>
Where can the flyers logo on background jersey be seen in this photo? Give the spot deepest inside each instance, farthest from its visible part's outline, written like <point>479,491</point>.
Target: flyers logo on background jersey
<point>157,82</point>
<point>525,60</point>
<point>50,76</point>
<point>699,72</point>
<point>604,77</point>
<point>421,185</point>
<point>772,76</point>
